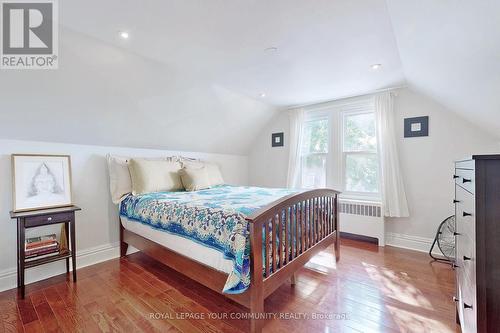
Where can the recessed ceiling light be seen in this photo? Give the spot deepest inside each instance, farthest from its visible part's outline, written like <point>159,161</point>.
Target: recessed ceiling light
<point>262,95</point>
<point>124,34</point>
<point>271,49</point>
<point>376,66</point>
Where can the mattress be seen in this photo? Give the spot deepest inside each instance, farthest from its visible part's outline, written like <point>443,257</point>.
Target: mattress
<point>181,245</point>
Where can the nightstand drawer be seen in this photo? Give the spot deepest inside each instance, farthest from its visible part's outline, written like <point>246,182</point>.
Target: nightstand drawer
<point>34,221</point>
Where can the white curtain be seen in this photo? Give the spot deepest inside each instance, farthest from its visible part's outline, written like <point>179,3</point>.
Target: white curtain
<point>393,192</point>
<point>294,162</point>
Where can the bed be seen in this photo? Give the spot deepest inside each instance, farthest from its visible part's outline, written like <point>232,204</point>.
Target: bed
<point>240,241</point>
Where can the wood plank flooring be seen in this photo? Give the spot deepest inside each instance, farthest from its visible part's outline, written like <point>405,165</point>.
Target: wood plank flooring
<point>371,289</point>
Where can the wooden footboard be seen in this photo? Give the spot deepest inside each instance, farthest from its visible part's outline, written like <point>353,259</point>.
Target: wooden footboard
<point>295,229</point>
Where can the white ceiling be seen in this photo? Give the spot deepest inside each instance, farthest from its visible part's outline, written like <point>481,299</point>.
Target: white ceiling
<point>191,73</point>
<point>325,47</point>
<point>450,50</point>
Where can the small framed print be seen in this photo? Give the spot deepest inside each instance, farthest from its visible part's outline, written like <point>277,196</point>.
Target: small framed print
<point>417,126</point>
<point>277,140</point>
<point>40,181</point>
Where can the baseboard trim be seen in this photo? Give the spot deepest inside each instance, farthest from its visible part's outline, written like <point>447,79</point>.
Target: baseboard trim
<point>95,255</point>
<point>87,257</point>
<point>361,238</point>
<point>416,243</point>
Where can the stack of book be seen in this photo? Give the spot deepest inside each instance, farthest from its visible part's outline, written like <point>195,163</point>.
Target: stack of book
<point>41,247</point>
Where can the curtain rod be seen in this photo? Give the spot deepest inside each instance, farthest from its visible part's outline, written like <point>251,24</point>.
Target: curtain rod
<point>345,97</point>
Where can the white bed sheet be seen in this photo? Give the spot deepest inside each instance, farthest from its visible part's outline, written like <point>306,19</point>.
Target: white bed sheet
<point>181,245</point>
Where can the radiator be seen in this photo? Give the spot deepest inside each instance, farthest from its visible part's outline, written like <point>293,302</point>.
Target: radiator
<point>362,218</point>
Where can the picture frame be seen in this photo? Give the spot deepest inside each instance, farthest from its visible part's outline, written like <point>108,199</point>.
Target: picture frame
<point>416,127</point>
<point>277,139</point>
<point>41,182</point>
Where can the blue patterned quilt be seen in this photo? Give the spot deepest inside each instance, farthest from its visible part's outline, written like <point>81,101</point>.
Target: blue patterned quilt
<point>214,217</point>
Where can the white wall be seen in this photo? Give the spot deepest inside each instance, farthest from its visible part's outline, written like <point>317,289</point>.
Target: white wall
<point>427,164</point>
<point>97,224</point>
<point>268,166</point>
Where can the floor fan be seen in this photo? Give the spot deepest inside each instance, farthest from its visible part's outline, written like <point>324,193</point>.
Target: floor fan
<point>445,240</point>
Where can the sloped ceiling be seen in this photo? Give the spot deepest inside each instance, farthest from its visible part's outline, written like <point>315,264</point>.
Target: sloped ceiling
<point>104,95</point>
<point>325,47</point>
<point>450,50</point>
<point>191,74</point>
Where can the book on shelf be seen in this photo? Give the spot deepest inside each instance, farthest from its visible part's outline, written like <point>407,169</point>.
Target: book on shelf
<point>45,246</point>
<point>37,242</point>
<point>44,250</point>
<point>35,257</point>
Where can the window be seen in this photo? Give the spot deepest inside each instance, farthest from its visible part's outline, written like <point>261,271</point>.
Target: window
<point>314,153</point>
<point>339,149</point>
<point>359,153</point>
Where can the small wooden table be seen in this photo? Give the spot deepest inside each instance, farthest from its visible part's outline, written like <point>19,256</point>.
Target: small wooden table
<point>38,218</point>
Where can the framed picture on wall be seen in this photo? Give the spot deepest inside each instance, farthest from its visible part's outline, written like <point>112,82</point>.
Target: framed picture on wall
<point>277,139</point>
<point>40,181</point>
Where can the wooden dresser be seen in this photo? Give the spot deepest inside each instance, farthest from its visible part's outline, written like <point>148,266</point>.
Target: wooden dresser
<point>477,210</point>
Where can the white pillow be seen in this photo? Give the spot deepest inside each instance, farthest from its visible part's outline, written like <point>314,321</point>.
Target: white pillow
<point>120,183</point>
<point>213,171</point>
<point>154,176</point>
<point>194,179</point>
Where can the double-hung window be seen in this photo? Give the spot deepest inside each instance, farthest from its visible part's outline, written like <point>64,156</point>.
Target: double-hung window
<point>360,162</point>
<point>314,152</point>
<point>339,149</point>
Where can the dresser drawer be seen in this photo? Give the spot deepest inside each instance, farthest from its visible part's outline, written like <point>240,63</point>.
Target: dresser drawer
<point>465,212</point>
<point>467,164</point>
<point>469,308</point>
<point>33,221</point>
<point>466,257</point>
<point>466,179</point>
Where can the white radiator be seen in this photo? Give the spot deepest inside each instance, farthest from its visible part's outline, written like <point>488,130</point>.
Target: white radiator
<point>362,218</point>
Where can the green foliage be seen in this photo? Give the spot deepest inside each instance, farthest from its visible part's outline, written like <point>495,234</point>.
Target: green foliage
<point>359,132</point>
<point>316,136</point>
<point>362,173</point>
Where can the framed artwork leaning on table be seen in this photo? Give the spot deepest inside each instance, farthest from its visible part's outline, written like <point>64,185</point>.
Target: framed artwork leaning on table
<point>40,181</point>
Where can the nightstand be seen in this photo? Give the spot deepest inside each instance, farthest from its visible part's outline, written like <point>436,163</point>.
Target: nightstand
<point>38,218</point>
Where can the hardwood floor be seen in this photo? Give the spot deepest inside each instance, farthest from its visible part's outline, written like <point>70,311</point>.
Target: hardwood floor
<point>371,289</point>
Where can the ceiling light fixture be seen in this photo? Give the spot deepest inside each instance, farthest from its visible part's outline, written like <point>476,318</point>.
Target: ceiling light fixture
<point>376,66</point>
<point>262,94</point>
<point>124,34</point>
<point>271,49</point>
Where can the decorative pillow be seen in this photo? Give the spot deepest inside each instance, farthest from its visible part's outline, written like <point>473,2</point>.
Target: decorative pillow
<point>154,176</point>
<point>194,179</point>
<point>213,171</point>
<point>120,183</point>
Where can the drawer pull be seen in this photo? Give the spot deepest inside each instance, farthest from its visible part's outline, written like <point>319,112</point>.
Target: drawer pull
<point>455,177</point>
<point>465,180</point>
<point>455,299</point>
<point>49,219</point>
<point>456,234</point>
<point>455,266</point>
<point>456,201</point>
<point>466,214</point>
<point>467,306</point>
<point>466,258</point>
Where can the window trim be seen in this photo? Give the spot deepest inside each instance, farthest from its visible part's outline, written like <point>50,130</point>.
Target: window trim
<point>310,117</point>
<point>335,163</point>
<point>343,156</point>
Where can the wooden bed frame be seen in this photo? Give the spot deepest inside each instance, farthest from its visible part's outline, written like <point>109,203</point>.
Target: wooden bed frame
<point>310,217</point>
